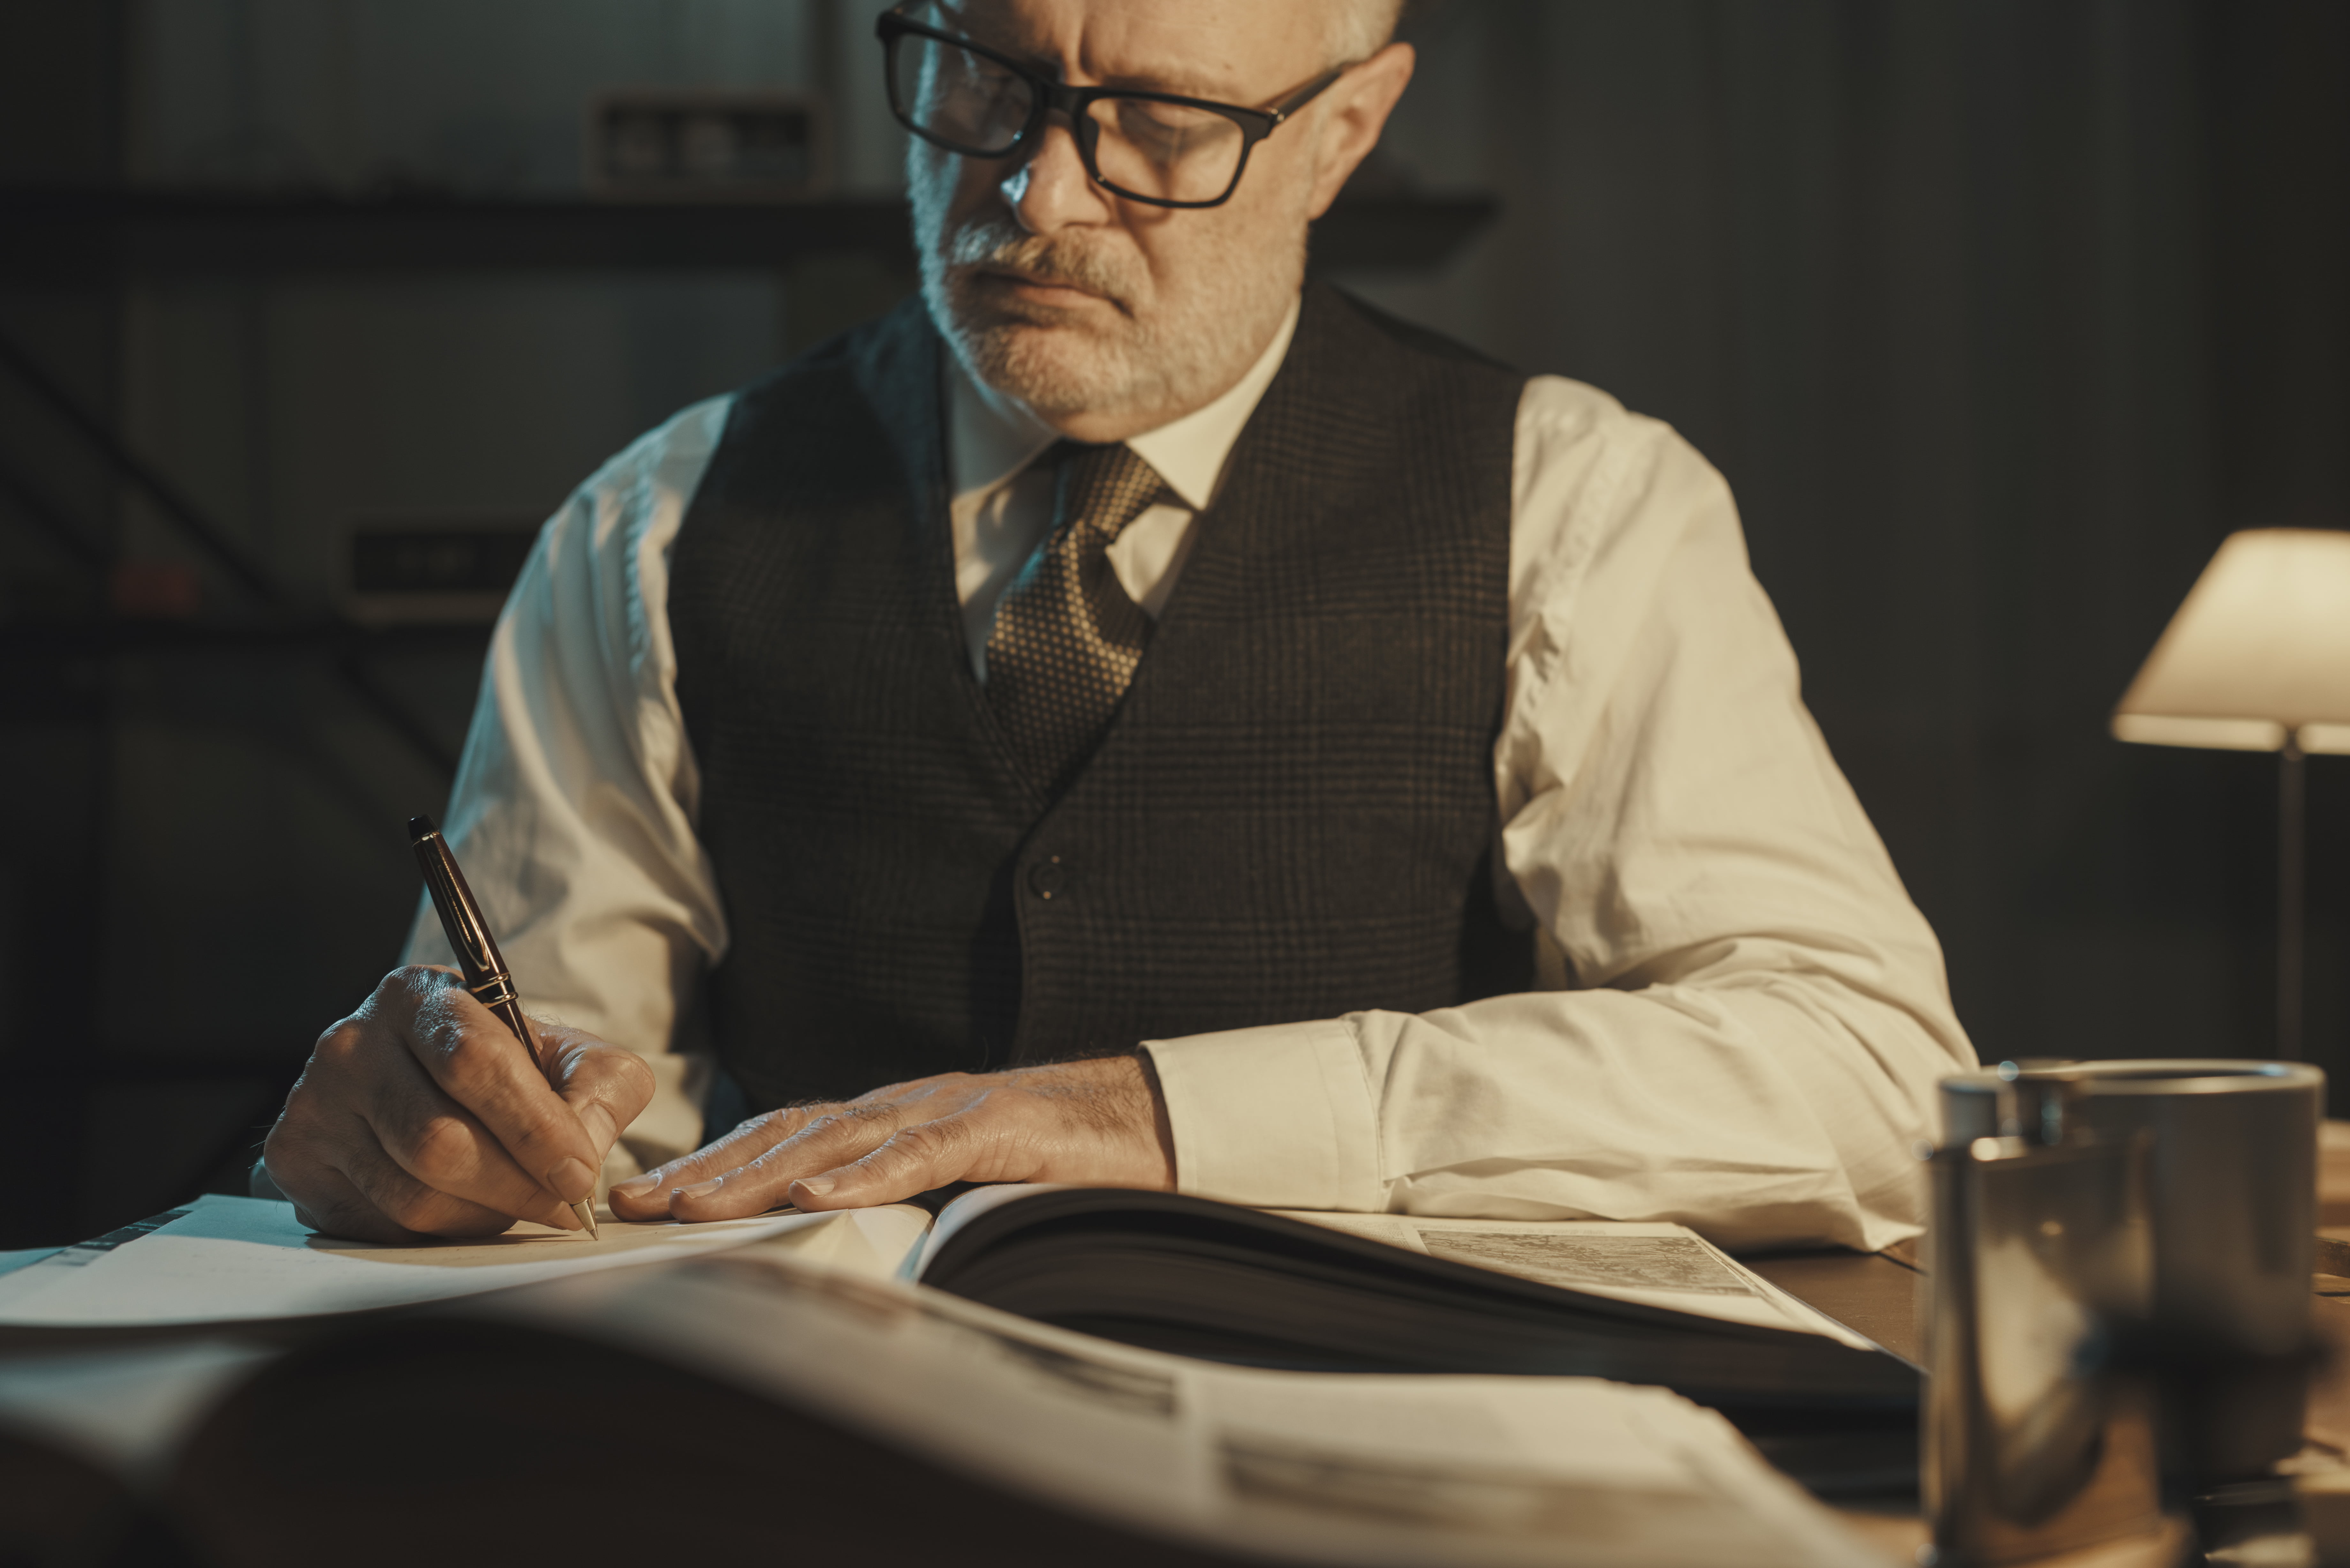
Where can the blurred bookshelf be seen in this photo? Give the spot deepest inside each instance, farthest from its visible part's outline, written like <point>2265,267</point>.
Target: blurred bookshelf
<point>52,236</point>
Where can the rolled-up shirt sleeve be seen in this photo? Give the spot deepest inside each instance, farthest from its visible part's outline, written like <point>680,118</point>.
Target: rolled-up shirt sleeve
<point>573,811</point>
<point>1755,1013</point>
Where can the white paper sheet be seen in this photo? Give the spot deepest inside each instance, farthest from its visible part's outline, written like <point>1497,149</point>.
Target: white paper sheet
<point>12,1261</point>
<point>1653,1264</point>
<point>1365,1470</point>
<point>126,1407</point>
<point>224,1260</point>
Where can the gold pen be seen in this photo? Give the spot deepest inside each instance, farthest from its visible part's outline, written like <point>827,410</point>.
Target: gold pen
<point>477,950</point>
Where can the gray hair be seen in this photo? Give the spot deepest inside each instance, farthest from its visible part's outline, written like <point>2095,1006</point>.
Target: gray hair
<point>1361,28</point>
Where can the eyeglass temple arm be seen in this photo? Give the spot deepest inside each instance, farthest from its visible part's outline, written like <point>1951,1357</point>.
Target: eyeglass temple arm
<point>1307,94</point>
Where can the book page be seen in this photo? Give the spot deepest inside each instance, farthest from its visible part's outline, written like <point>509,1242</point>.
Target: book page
<point>1655,1265</point>
<point>222,1259</point>
<point>964,1208</point>
<point>123,1407</point>
<point>1365,1470</point>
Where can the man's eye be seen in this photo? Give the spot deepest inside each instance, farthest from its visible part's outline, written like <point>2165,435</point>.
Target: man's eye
<point>1169,126</point>
<point>980,80</point>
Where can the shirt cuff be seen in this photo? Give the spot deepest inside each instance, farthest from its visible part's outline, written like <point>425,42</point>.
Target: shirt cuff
<point>1277,1118</point>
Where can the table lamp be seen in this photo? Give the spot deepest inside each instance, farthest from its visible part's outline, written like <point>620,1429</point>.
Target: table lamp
<point>2258,660</point>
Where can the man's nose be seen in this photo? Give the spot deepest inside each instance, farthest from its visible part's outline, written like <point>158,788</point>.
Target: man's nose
<point>1051,189</point>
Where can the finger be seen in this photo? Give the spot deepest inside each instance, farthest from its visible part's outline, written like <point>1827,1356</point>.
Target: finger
<point>363,1083</point>
<point>646,1197</point>
<point>323,1197</point>
<point>363,1192</point>
<point>476,1061</point>
<point>607,1086</point>
<point>842,1134</point>
<point>914,1159</point>
<point>331,1206</point>
<point>440,1144</point>
<point>420,1209</point>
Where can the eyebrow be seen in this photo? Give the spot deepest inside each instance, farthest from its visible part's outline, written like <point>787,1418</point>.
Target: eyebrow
<point>958,20</point>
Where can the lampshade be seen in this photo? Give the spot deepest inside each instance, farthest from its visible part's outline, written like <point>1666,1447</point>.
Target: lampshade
<point>2260,649</point>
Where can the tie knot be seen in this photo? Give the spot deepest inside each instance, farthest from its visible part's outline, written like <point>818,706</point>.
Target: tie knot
<point>1102,487</point>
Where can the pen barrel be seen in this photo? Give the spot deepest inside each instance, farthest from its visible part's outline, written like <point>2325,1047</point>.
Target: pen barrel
<point>460,916</point>
<point>509,1012</point>
<point>469,936</point>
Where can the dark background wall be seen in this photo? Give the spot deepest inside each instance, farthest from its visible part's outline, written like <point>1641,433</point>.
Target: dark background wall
<point>1997,315</point>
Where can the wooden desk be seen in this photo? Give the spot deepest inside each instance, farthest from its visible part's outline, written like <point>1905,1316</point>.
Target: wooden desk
<point>1870,1293</point>
<point>1880,1297</point>
<point>1877,1296</point>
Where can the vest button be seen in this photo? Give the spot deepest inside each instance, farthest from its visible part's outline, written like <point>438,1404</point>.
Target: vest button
<point>1047,878</point>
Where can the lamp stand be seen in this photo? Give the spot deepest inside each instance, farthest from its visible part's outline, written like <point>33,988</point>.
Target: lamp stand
<point>2290,870</point>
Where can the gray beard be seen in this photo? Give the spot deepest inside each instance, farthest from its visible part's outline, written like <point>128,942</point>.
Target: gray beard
<point>1179,358</point>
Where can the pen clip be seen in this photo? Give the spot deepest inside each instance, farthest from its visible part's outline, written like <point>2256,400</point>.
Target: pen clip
<point>495,992</point>
<point>460,918</point>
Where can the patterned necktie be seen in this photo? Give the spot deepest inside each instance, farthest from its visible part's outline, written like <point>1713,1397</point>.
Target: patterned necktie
<point>1067,638</point>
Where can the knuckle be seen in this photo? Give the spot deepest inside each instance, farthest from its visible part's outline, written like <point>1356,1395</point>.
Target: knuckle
<point>278,1144</point>
<point>792,1118</point>
<point>412,1210</point>
<point>926,1141</point>
<point>417,979</point>
<point>403,992</point>
<point>291,1176</point>
<point>441,1007</point>
<point>443,1144</point>
<point>465,1053</point>
<point>341,1045</point>
<point>301,1097</point>
<point>631,1072</point>
<point>840,1125</point>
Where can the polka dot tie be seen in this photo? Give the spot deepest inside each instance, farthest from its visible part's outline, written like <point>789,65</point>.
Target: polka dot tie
<point>1067,638</point>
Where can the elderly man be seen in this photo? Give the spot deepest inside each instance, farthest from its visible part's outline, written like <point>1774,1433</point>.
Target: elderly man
<point>1145,714</point>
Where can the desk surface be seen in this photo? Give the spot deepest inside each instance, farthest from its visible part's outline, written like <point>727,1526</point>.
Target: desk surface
<point>1880,1298</point>
<point>1871,1294</point>
<point>1875,1295</point>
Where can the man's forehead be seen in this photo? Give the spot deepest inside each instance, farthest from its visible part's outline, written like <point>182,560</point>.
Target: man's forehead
<point>1234,48</point>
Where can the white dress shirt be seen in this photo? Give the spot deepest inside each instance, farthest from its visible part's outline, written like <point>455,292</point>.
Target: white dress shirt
<point>1746,1014</point>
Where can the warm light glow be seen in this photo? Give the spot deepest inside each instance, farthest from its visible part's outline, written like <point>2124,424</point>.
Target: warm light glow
<point>2260,646</point>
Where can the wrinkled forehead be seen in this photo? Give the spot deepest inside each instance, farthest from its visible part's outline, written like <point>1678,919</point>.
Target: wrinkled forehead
<point>1239,51</point>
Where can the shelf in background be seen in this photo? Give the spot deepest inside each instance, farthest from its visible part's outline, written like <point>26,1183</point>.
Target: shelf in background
<point>58,237</point>
<point>36,640</point>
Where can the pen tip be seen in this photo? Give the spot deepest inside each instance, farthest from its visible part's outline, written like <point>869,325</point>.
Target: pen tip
<point>421,828</point>
<point>587,1217</point>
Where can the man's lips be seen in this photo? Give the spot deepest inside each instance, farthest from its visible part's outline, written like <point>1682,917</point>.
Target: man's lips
<point>1049,285</point>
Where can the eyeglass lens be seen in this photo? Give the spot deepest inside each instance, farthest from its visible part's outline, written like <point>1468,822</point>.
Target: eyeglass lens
<point>1162,151</point>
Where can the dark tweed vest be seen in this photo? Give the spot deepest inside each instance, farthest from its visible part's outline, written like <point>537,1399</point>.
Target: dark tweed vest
<point>1290,817</point>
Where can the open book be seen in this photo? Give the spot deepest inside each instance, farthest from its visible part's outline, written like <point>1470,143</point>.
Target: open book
<point>750,1404</point>
<point>1638,1304</point>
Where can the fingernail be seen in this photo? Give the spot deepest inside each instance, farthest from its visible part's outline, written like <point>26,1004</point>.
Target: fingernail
<point>572,1181</point>
<point>636,1186</point>
<point>699,1190</point>
<point>813,1186</point>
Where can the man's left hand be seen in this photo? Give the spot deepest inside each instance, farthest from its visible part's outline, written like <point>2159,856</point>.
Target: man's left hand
<point>1101,1122</point>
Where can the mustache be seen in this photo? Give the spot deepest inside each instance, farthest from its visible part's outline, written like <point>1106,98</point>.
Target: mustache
<point>994,241</point>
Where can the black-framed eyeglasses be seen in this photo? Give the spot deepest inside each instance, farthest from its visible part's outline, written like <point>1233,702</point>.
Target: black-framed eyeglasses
<point>1155,147</point>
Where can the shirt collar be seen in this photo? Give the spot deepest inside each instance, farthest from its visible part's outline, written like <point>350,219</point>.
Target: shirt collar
<point>993,437</point>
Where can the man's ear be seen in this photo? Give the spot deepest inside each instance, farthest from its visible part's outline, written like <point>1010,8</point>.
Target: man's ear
<point>1354,111</point>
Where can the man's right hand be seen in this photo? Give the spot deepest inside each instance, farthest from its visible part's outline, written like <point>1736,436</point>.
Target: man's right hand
<point>420,1116</point>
